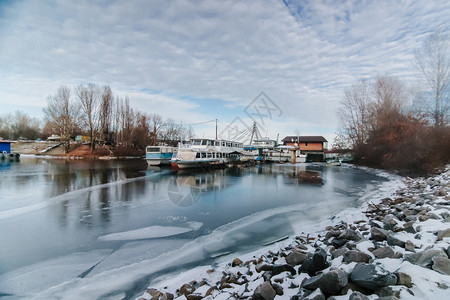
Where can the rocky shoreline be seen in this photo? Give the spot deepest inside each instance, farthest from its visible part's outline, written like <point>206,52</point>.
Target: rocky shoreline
<point>392,248</point>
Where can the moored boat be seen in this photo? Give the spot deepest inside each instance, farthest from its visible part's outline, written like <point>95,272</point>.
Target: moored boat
<point>207,153</point>
<point>159,155</point>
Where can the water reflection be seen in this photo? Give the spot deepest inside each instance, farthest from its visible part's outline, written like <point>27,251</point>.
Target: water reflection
<point>186,188</point>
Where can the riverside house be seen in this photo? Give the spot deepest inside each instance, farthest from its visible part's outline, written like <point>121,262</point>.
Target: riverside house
<point>313,146</point>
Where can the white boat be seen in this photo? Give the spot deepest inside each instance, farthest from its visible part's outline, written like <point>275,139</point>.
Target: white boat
<point>207,153</point>
<point>159,155</point>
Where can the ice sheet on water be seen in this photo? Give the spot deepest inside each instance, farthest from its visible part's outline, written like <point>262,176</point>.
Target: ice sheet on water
<point>31,279</point>
<point>104,281</point>
<point>151,232</point>
<point>135,252</point>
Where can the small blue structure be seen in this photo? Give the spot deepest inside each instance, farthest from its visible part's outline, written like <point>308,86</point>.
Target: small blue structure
<point>5,151</point>
<point>5,146</point>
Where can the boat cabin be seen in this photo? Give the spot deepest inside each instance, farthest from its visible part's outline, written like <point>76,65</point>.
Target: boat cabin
<point>313,146</point>
<point>201,143</point>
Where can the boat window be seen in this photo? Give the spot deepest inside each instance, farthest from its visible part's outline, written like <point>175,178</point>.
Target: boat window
<point>197,155</point>
<point>196,142</point>
<point>223,144</point>
<point>174,155</point>
<point>228,144</point>
<point>209,155</point>
<point>203,155</point>
<point>216,143</point>
<point>204,142</point>
<point>208,143</point>
<point>153,149</point>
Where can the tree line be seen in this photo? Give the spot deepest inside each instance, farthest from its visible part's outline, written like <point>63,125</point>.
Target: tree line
<point>389,125</point>
<point>93,111</point>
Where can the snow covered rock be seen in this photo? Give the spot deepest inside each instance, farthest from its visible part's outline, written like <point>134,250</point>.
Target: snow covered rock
<point>372,276</point>
<point>296,257</point>
<point>384,252</point>
<point>378,234</point>
<point>330,283</point>
<point>315,263</point>
<point>403,279</point>
<point>441,264</point>
<point>424,258</point>
<point>443,234</point>
<point>264,291</point>
<point>351,234</point>
<point>356,256</point>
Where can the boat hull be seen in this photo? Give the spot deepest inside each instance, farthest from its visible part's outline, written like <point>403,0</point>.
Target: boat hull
<point>158,161</point>
<point>196,164</point>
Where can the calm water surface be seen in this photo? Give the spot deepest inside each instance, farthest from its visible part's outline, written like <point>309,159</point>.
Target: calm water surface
<point>64,222</point>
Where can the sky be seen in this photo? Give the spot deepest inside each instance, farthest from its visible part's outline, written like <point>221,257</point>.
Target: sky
<point>282,64</point>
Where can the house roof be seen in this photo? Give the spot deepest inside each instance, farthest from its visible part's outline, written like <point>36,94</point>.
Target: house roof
<point>303,139</point>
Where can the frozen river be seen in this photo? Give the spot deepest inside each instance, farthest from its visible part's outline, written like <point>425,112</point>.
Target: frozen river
<point>105,229</point>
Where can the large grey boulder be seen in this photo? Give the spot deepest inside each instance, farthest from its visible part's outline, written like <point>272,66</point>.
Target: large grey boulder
<point>383,252</point>
<point>350,234</point>
<point>441,264</point>
<point>356,256</point>
<point>315,263</point>
<point>424,258</point>
<point>296,257</point>
<point>378,234</point>
<point>403,279</point>
<point>389,222</point>
<point>264,291</point>
<point>371,276</point>
<point>393,241</point>
<point>277,269</point>
<point>329,283</point>
<point>443,234</point>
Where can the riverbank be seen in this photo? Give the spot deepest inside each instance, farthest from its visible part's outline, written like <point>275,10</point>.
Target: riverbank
<point>395,246</point>
<point>57,150</point>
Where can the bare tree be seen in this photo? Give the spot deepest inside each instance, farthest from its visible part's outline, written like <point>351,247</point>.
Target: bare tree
<point>354,116</point>
<point>106,114</point>
<point>19,125</point>
<point>391,98</point>
<point>156,124</point>
<point>433,61</point>
<point>62,112</point>
<point>89,98</point>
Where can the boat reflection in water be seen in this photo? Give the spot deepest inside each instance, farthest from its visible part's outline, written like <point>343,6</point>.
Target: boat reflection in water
<point>299,174</point>
<point>185,188</point>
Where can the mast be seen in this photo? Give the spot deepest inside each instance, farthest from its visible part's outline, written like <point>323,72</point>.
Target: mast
<point>253,132</point>
<point>216,129</point>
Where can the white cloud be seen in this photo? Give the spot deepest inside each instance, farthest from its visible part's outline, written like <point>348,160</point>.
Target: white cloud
<point>302,55</point>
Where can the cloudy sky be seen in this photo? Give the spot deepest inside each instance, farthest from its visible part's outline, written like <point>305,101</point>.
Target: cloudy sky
<point>195,61</point>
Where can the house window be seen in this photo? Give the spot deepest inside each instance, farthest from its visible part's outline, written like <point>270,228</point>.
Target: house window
<point>306,144</point>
